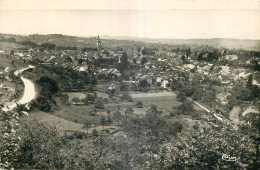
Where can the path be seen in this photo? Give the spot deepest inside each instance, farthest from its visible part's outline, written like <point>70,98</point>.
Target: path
<point>29,91</point>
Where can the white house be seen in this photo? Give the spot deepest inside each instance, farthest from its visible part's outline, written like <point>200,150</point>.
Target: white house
<point>231,57</point>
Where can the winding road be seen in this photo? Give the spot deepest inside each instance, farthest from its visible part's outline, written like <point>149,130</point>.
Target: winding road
<point>29,91</point>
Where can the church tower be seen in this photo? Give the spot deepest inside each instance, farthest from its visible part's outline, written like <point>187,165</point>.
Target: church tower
<point>98,45</point>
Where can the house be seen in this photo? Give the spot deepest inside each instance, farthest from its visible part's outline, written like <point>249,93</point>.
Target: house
<point>222,97</point>
<point>158,79</point>
<point>224,79</point>
<point>165,83</point>
<point>188,67</point>
<point>196,78</point>
<point>231,57</point>
<point>81,68</point>
<point>243,75</point>
<point>224,70</point>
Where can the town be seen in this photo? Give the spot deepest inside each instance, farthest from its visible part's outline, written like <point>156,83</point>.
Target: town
<point>127,104</point>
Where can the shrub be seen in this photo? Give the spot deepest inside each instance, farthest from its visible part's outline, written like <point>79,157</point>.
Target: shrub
<point>39,146</point>
<point>129,111</point>
<point>127,97</point>
<point>139,105</point>
<point>99,104</point>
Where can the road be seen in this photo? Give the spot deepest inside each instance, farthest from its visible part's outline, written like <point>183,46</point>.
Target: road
<point>204,108</point>
<point>29,91</point>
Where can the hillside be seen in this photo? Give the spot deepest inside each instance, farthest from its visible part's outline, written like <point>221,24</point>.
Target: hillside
<point>216,42</point>
<point>111,41</point>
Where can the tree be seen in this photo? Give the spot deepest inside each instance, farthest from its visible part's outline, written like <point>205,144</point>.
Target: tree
<point>94,113</point>
<point>224,52</point>
<point>181,96</point>
<point>89,99</point>
<point>39,146</point>
<point>188,52</point>
<point>43,103</point>
<point>143,60</point>
<point>249,81</point>
<point>139,104</point>
<point>124,63</point>
<point>123,87</point>
<point>94,133</point>
<point>69,59</point>
<point>29,43</point>
<point>87,125</point>
<point>242,93</point>
<point>117,116</point>
<point>129,111</point>
<point>12,53</point>
<point>109,120</point>
<point>144,84</point>
<point>127,97</point>
<point>48,46</point>
<point>99,104</point>
<point>204,150</point>
<point>183,58</point>
<point>134,60</point>
<point>48,86</point>
<point>185,108</point>
<point>255,90</point>
<point>75,100</point>
<point>198,93</point>
<point>103,121</point>
<point>177,126</point>
<point>209,97</point>
<point>80,61</point>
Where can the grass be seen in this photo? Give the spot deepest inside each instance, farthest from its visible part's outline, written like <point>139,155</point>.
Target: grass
<point>63,124</point>
<point>81,113</point>
<point>82,95</point>
<point>72,95</point>
<point>163,100</point>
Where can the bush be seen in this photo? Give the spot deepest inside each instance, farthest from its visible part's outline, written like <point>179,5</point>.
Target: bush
<point>43,103</point>
<point>127,97</point>
<point>75,100</point>
<point>48,86</point>
<point>39,146</point>
<point>29,43</point>
<point>139,105</point>
<point>185,108</point>
<point>94,133</point>
<point>129,111</point>
<point>99,104</point>
<point>181,96</point>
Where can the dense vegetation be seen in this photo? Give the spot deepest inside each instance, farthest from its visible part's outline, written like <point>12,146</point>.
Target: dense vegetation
<point>110,129</point>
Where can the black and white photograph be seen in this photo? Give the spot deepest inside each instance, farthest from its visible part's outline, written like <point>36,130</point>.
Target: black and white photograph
<point>130,84</point>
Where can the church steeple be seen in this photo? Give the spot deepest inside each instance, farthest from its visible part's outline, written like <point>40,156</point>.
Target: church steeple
<point>98,44</point>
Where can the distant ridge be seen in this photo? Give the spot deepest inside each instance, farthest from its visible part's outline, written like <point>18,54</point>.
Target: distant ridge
<point>216,42</point>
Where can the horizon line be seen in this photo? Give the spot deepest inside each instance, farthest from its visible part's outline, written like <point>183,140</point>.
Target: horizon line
<point>125,36</point>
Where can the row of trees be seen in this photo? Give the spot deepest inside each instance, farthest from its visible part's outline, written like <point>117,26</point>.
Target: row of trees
<point>45,100</point>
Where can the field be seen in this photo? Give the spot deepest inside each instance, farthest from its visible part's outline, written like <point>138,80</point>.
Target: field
<point>164,100</point>
<point>82,95</point>
<point>63,125</point>
<point>81,113</point>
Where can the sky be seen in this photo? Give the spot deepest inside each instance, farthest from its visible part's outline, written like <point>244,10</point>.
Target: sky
<point>178,19</point>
